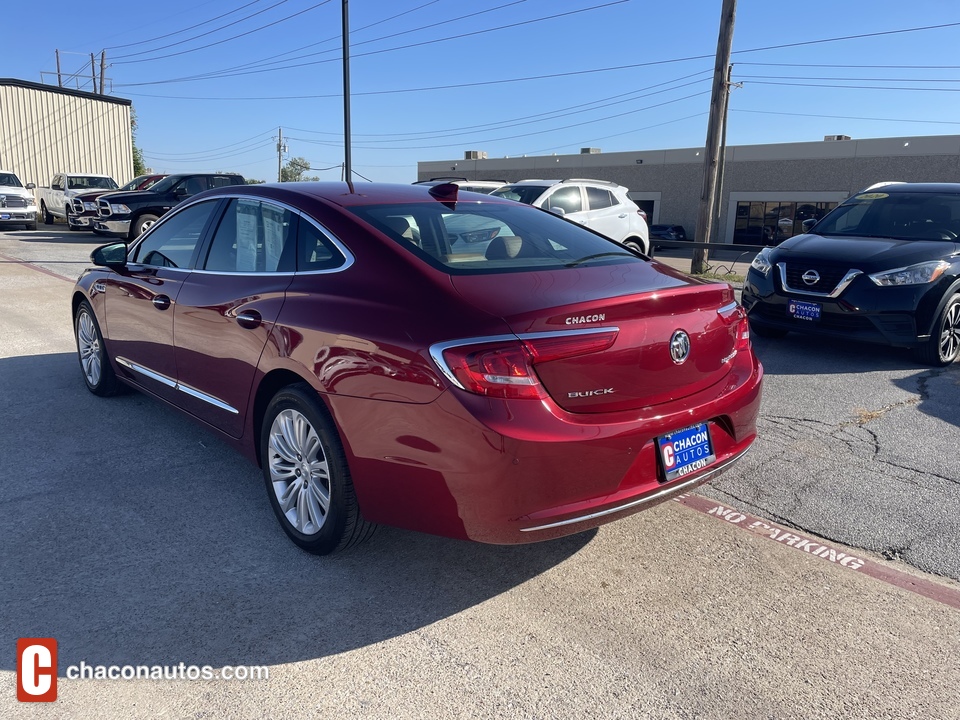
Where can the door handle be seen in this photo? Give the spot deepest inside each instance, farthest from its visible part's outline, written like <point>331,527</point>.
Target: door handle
<point>622,215</point>
<point>161,302</point>
<point>249,319</point>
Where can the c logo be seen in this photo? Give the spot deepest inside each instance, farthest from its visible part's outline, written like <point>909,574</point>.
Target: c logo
<point>36,669</point>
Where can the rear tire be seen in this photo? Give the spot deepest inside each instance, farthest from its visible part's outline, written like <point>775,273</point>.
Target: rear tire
<point>94,364</point>
<point>306,474</point>
<point>637,246</point>
<point>943,347</point>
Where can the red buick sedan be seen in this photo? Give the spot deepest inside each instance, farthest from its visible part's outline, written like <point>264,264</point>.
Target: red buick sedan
<point>420,357</point>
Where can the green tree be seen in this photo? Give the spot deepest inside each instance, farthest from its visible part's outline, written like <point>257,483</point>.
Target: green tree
<point>139,166</point>
<point>251,181</point>
<point>294,170</point>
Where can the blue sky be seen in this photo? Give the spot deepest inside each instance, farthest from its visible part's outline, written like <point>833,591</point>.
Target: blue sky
<point>432,78</point>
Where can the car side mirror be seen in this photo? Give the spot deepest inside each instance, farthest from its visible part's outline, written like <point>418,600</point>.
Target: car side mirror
<point>808,223</point>
<point>180,191</point>
<point>112,255</point>
<point>30,186</point>
<point>558,211</point>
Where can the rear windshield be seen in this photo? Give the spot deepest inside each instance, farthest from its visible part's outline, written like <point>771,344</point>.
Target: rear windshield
<point>491,238</point>
<point>903,216</point>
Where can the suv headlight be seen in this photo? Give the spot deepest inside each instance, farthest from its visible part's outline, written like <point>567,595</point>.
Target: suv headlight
<point>119,209</point>
<point>919,274</point>
<point>761,263</point>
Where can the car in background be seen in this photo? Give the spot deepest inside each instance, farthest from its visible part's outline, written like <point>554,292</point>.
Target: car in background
<point>673,233</point>
<point>18,206</point>
<point>128,214</point>
<point>602,206</point>
<point>82,211</point>
<point>882,267</point>
<point>481,186</point>
<point>378,374</point>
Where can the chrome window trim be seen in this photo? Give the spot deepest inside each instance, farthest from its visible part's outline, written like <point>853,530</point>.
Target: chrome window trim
<point>170,382</point>
<point>348,257</point>
<point>436,350</point>
<point>841,286</point>
<point>664,491</point>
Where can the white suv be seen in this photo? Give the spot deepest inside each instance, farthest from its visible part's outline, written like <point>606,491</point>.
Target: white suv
<point>599,205</point>
<point>479,186</point>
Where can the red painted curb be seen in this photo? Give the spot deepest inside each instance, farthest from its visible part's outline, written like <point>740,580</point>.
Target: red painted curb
<point>29,264</point>
<point>821,549</point>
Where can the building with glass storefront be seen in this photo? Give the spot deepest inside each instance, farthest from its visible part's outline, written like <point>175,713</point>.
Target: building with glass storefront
<point>767,191</point>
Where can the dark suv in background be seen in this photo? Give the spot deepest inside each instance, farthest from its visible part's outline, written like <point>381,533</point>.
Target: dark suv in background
<point>128,214</point>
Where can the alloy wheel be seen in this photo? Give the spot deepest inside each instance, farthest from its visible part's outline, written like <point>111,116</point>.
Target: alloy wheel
<point>299,472</point>
<point>88,343</point>
<point>950,333</point>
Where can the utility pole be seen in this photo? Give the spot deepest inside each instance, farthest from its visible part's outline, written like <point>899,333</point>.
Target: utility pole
<point>279,154</point>
<point>347,164</point>
<point>722,166</point>
<point>93,72</point>
<point>711,163</point>
<point>103,69</point>
<point>59,76</point>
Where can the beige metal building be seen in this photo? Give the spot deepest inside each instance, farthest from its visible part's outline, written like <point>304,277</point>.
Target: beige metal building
<point>767,190</point>
<point>46,129</point>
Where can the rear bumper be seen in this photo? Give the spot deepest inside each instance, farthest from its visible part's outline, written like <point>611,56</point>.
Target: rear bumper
<point>521,471</point>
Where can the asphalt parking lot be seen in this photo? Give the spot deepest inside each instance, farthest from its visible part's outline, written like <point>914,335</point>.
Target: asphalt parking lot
<point>135,538</point>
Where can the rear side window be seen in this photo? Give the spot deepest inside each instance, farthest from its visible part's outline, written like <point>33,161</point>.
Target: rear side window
<point>315,251</point>
<point>224,180</point>
<point>490,238</point>
<point>598,198</point>
<point>253,237</point>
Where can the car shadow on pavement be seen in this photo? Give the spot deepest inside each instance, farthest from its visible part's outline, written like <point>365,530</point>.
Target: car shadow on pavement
<point>63,236</point>
<point>798,354</point>
<point>939,390</point>
<point>134,537</point>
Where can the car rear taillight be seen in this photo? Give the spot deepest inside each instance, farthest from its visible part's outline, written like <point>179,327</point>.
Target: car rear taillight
<point>505,368</point>
<point>642,214</point>
<point>743,334</point>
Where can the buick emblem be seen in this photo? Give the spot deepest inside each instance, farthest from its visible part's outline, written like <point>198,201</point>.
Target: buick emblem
<point>811,277</point>
<point>679,347</point>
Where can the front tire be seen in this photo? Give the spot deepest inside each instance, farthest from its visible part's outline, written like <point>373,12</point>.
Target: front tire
<point>47,215</point>
<point>141,225</point>
<point>306,474</point>
<point>943,347</point>
<point>94,364</point>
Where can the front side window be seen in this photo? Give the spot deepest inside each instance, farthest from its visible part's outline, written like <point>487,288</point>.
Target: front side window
<point>173,242</point>
<point>491,238</point>
<point>191,186</point>
<point>253,237</point>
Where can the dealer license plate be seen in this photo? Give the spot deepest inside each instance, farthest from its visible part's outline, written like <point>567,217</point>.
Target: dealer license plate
<point>4,216</point>
<point>686,451</point>
<point>803,310</point>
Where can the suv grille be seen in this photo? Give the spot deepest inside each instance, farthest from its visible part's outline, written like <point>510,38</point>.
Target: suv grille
<point>830,277</point>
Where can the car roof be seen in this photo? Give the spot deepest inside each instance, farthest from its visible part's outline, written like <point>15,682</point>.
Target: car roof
<point>904,187</point>
<point>353,194</point>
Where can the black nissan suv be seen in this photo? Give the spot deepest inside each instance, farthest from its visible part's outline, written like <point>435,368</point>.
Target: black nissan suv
<point>128,214</point>
<point>883,266</point>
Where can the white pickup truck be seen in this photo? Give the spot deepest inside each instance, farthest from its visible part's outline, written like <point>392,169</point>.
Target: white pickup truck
<point>17,204</point>
<point>63,187</point>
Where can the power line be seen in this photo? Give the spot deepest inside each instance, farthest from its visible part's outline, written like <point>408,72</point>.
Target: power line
<point>846,79</point>
<point>853,87</point>
<point>187,29</point>
<point>847,117</point>
<point>218,42</point>
<point>225,147</point>
<point>386,50</point>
